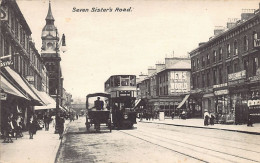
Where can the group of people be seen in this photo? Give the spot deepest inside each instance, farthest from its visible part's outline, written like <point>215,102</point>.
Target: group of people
<point>12,128</point>
<point>209,119</point>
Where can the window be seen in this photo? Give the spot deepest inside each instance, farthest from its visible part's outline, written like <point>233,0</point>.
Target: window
<point>203,61</point>
<point>194,81</point>
<point>215,77</point>
<point>220,75</point>
<point>208,59</point>
<point>198,63</point>
<point>214,56</point>
<point>198,82</point>
<point>246,67</point>
<point>245,43</point>
<point>254,38</point>
<point>236,69</point>
<point>255,65</point>
<point>228,50</point>
<point>235,48</point>
<point>220,54</point>
<point>124,80</point>
<point>208,79</point>
<point>203,80</point>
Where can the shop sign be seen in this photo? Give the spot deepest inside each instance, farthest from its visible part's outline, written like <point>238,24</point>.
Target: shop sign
<point>253,102</point>
<point>256,43</point>
<point>30,78</point>
<point>161,103</point>
<point>3,12</point>
<point>220,85</point>
<point>237,75</point>
<point>221,92</point>
<point>254,78</point>
<point>3,96</point>
<point>236,82</point>
<point>6,61</point>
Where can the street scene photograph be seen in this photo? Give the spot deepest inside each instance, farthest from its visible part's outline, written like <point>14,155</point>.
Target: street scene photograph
<point>130,81</point>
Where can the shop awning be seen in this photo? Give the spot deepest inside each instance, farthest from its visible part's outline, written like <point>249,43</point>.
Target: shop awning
<point>10,89</point>
<point>137,103</point>
<point>50,106</point>
<point>183,101</point>
<point>22,83</point>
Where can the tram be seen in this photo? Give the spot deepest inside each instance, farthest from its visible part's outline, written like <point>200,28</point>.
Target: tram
<point>122,89</point>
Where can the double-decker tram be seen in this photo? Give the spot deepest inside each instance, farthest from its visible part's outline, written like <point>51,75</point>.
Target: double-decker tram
<point>122,89</point>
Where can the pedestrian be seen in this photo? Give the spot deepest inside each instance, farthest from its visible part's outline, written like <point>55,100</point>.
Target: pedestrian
<point>172,115</point>
<point>8,129</point>
<point>212,119</point>
<point>249,121</point>
<point>60,124</point>
<point>206,120</point>
<point>46,120</point>
<point>31,127</point>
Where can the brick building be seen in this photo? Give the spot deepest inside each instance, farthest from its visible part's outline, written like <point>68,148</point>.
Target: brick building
<point>225,70</point>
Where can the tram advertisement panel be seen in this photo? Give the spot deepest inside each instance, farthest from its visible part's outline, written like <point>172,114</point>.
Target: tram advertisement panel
<point>180,82</point>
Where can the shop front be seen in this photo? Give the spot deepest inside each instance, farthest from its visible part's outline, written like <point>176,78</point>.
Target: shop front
<point>239,92</point>
<point>254,98</point>
<point>222,104</point>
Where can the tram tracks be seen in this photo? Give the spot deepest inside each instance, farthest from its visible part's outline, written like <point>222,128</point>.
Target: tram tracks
<point>194,150</point>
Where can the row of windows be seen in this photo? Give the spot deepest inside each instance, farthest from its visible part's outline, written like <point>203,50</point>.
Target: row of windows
<point>206,60</point>
<point>121,80</point>
<point>18,31</point>
<point>163,90</point>
<point>218,76</point>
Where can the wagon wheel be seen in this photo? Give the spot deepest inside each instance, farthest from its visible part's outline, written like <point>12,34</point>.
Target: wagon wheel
<point>87,125</point>
<point>97,127</point>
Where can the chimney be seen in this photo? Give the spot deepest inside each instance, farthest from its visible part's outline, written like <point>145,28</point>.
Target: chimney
<point>231,22</point>
<point>218,30</point>
<point>247,14</point>
<point>151,70</point>
<point>202,43</point>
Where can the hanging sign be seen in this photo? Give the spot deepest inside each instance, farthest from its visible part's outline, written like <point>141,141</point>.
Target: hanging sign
<point>256,43</point>
<point>3,12</point>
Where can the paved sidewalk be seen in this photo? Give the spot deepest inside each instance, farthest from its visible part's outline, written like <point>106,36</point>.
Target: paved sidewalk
<point>198,123</point>
<point>41,149</point>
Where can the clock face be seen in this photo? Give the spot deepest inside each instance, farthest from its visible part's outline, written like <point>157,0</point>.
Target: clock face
<point>49,45</point>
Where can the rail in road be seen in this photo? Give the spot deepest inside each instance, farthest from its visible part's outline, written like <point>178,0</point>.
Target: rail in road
<point>198,146</point>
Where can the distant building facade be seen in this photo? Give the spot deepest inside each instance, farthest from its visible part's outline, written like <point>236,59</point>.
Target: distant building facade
<point>166,86</point>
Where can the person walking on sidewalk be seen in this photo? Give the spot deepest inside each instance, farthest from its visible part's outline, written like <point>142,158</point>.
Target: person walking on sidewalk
<point>172,115</point>
<point>31,127</point>
<point>46,121</point>
<point>60,123</point>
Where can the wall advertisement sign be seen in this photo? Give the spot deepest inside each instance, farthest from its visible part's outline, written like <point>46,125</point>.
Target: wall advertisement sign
<point>221,92</point>
<point>256,43</point>
<point>237,75</point>
<point>180,82</point>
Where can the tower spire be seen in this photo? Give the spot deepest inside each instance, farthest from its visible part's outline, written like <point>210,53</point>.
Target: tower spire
<point>49,16</point>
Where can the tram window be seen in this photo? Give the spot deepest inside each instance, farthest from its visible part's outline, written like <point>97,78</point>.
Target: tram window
<point>124,81</point>
<point>132,81</point>
<point>117,81</point>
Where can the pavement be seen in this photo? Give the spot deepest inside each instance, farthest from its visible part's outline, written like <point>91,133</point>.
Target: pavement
<point>41,149</point>
<point>199,123</point>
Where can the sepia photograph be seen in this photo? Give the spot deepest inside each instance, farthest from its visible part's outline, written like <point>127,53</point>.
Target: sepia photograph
<point>129,81</point>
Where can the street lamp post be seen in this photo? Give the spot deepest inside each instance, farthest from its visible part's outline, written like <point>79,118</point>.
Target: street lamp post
<point>58,59</point>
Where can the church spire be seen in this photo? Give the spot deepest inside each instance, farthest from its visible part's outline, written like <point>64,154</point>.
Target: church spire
<point>49,17</point>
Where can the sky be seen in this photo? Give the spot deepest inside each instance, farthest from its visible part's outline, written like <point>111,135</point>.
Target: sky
<point>101,44</point>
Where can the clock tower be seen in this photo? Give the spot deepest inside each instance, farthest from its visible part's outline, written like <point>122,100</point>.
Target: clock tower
<point>51,55</point>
